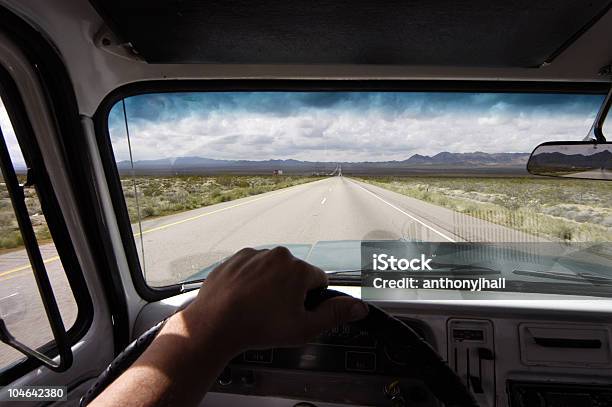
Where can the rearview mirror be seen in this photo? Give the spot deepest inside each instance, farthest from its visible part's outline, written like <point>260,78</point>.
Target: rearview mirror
<point>572,159</point>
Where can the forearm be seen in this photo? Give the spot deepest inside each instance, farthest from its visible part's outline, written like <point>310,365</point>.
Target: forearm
<point>255,299</point>
<point>172,371</point>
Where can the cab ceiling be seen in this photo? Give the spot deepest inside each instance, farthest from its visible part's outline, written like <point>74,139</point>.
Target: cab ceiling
<point>478,33</point>
<point>285,35</point>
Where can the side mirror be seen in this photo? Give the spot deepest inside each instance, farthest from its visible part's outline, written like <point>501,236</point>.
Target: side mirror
<point>572,159</point>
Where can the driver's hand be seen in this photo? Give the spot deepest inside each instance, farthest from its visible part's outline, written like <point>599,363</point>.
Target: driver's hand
<point>255,299</point>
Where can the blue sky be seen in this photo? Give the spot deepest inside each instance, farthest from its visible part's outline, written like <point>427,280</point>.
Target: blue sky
<point>344,126</point>
<point>10,139</point>
<point>338,126</point>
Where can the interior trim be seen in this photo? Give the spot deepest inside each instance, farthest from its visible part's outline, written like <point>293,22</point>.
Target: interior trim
<point>36,87</point>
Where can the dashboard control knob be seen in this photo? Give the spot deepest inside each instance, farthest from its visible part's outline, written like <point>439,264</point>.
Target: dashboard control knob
<point>225,378</point>
<point>392,389</point>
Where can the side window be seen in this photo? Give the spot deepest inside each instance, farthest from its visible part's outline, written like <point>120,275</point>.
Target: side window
<point>21,307</point>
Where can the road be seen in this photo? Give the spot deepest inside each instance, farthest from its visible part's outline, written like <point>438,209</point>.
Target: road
<point>20,304</point>
<point>336,208</point>
<point>179,245</point>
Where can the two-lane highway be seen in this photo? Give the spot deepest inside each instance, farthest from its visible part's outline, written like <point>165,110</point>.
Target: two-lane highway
<point>179,245</point>
<point>336,208</point>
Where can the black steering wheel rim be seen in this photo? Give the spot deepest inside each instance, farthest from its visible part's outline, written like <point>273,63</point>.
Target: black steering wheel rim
<point>442,381</point>
<point>435,373</point>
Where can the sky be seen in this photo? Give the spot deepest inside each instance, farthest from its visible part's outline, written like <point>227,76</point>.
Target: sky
<point>10,139</point>
<point>344,126</point>
<point>337,126</point>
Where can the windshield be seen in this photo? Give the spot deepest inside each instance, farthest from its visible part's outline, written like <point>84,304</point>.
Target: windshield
<point>328,173</point>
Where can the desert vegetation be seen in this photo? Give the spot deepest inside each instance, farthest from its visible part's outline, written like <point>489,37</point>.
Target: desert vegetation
<point>156,196</point>
<point>10,236</point>
<point>554,208</point>
<point>159,196</point>
<point>558,209</point>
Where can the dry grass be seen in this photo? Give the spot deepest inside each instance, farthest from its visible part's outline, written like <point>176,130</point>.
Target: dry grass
<point>10,236</point>
<point>159,196</point>
<point>555,208</point>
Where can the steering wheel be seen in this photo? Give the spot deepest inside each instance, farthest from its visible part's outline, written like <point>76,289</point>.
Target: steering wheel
<point>444,383</point>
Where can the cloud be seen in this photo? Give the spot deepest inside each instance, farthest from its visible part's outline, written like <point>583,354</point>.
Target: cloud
<point>344,126</point>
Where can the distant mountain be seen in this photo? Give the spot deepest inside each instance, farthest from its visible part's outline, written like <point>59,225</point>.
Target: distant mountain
<point>189,163</point>
<point>168,163</point>
<point>475,158</point>
<point>414,163</point>
<point>577,161</point>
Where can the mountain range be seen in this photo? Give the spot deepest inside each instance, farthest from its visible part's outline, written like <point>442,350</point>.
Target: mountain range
<point>416,163</point>
<point>601,159</point>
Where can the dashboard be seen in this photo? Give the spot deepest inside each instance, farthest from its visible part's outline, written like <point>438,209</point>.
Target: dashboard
<point>348,358</point>
<point>345,358</point>
<point>517,354</point>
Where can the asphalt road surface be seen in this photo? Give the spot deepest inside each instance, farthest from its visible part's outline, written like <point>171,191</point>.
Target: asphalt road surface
<point>177,246</point>
<point>336,208</point>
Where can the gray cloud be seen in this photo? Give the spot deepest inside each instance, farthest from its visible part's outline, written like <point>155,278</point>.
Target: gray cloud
<point>348,126</point>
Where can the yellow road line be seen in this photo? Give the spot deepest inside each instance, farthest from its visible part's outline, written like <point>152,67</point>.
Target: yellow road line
<point>178,222</point>
<point>27,266</point>
<point>55,258</point>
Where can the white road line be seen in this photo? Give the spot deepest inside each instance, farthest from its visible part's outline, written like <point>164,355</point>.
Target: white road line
<point>264,196</point>
<point>323,201</point>
<point>407,214</point>
<point>8,296</point>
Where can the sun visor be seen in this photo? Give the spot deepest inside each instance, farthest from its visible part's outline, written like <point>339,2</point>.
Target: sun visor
<point>479,33</point>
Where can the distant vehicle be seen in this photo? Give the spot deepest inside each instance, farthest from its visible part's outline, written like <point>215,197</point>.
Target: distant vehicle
<point>277,172</point>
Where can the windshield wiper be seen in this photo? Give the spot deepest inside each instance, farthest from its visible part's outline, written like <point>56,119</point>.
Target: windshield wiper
<point>344,273</point>
<point>559,275</point>
<point>462,269</point>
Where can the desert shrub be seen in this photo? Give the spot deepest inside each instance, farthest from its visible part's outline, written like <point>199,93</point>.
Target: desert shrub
<point>7,220</point>
<point>560,209</point>
<point>225,180</point>
<point>166,195</point>
<point>564,232</point>
<point>128,192</point>
<point>242,183</point>
<point>42,233</point>
<point>11,240</point>
<point>148,211</point>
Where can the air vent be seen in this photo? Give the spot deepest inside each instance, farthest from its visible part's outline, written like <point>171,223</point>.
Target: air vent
<point>565,345</point>
<point>471,353</point>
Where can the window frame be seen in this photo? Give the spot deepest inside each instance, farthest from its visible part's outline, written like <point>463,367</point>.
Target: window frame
<point>103,139</point>
<point>24,134</point>
<point>601,118</point>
